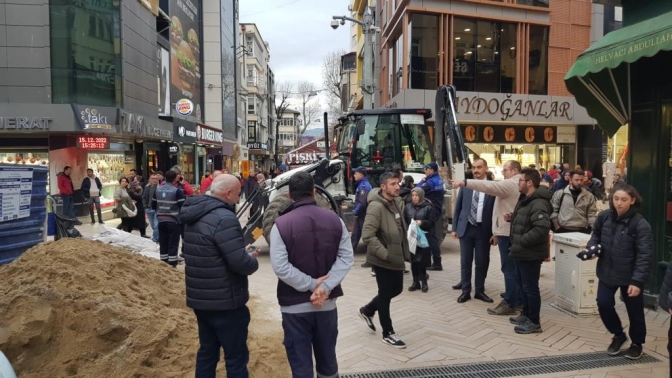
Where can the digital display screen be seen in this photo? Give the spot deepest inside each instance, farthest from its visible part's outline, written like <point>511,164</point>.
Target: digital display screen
<point>93,143</point>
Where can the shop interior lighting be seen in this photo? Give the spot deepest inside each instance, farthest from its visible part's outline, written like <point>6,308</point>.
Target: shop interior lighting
<point>488,39</point>
<point>457,38</point>
<point>467,29</point>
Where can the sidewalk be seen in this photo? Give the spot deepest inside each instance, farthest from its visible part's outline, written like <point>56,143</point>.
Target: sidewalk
<point>439,331</point>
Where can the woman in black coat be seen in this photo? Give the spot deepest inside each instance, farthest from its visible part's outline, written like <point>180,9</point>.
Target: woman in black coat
<point>405,189</point>
<point>421,212</point>
<point>625,262</point>
<point>139,222</point>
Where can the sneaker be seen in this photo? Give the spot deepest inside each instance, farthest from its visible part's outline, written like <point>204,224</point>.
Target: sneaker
<point>367,319</point>
<point>502,308</point>
<point>366,265</point>
<point>93,223</point>
<point>373,273</point>
<point>519,320</point>
<point>394,341</point>
<point>528,328</point>
<point>616,345</point>
<point>634,352</point>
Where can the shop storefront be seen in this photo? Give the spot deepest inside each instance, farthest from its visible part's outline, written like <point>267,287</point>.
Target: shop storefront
<point>533,129</point>
<point>210,155</point>
<point>185,135</point>
<point>258,153</point>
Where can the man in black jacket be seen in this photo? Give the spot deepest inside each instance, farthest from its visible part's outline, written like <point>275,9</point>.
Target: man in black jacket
<point>217,267</point>
<point>530,226</point>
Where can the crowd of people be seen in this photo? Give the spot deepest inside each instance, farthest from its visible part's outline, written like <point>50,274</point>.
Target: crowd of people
<point>311,250</point>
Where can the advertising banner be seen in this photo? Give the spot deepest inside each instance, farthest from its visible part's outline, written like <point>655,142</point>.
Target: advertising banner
<point>152,5</point>
<point>185,58</point>
<point>164,82</point>
<point>16,188</point>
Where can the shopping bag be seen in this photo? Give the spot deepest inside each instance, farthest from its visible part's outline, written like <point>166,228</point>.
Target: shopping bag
<point>412,236</point>
<point>422,238</point>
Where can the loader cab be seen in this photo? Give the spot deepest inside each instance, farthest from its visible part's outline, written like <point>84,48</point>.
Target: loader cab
<point>384,139</point>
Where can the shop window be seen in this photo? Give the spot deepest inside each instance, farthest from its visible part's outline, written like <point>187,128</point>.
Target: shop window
<point>538,83</point>
<point>109,168</point>
<point>534,3</point>
<point>187,158</point>
<point>484,56</point>
<point>424,56</point>
<point>85,66</point>
<point>252,131</point>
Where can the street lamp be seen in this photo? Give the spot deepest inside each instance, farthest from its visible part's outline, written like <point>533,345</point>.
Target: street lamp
<point>368,29</point>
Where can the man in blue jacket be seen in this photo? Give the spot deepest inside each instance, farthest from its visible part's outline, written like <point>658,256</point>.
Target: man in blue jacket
<point>434,190</point>
<point>217,267</point>
<point>361,193</point>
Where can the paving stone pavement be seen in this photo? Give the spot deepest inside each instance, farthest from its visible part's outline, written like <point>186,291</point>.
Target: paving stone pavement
<point>439,331</point>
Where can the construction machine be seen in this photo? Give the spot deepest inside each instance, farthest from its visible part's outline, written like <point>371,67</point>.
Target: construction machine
<point>378,140</point>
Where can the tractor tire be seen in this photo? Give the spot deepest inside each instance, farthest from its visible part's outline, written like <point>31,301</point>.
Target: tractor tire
<point>273,210</point>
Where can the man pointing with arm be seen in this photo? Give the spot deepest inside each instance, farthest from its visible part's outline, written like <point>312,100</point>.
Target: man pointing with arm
<point>506,193</point>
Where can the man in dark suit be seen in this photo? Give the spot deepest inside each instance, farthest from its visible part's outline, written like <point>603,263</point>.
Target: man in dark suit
<point>472,224</point>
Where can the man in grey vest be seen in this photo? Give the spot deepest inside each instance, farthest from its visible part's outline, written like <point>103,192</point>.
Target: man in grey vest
<point>167,202</point>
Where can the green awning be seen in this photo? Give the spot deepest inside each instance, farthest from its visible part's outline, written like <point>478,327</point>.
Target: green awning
<point>600,77</point>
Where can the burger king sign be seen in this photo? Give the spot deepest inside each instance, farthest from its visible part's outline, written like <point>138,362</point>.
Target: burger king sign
<point>184,107</point>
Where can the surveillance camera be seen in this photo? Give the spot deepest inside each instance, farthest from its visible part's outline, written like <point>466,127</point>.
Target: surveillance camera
<point>342,21</point>
<point>334,24</point>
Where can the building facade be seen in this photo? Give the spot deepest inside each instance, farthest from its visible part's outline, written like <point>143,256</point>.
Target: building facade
<point>351,92</point>
<point>507,60</point>
<point>260,107</point>
<point>288,135</point>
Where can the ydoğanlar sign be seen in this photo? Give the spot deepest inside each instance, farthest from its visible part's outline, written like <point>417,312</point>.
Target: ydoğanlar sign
<point>509,108</point>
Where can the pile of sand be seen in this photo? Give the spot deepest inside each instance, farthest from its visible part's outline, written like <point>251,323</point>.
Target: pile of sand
<point>82,308</point>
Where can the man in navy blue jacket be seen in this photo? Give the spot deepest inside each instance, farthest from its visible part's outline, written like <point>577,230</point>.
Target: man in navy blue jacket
<point>361,194</point>
<point>217,267</point>
<point>472,224</point>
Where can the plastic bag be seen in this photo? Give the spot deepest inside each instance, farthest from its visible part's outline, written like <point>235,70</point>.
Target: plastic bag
<point>412,236</point>
<point>422,238</point>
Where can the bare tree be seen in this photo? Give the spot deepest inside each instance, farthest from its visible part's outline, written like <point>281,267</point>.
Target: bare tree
<point>332,80</point>
<point>283,93</point>
<point>310,109</point>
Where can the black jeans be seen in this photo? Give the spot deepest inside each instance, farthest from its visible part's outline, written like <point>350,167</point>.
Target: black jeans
<point>169,241</point>
<point>528,280</point>
<point>357,232</point>
<point>634,305</point>
<point>307,334</point>
<point>669,345</point>
<point>390,284</point>
<point>226,330</point>
<point>127,224</point>
<point>474,244</point>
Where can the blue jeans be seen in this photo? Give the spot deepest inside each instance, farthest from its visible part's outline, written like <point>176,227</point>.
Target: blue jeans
<point>512,294</point>
<point>226,330</point>
<point>308,334</point>
<point>528,280</point>
<point>154,224</point>
<point>68,206</point>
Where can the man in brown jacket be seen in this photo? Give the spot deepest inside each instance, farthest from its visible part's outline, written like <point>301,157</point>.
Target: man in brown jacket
<point>384,233</point>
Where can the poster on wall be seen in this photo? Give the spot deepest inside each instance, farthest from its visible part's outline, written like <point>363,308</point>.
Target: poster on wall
<point>164,82</point>
<point>16,188</point>
<point>185,58</point>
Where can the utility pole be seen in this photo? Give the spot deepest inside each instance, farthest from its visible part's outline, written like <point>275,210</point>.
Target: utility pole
<point>368,29</point>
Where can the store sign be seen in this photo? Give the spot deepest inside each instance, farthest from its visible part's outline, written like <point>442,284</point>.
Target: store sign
<point>208,135</point>
<point>303,158</point>
<point>184,107</point>
<point>25,123</point>
<point>566,134</point>
<point>93,143</point>
<point>96,118</point>
<point>184,131</point>
<point>142,126</point>
<point>257,146</point>
<point>509,107</point>
<point>173,148</point>
<point>502,134</point>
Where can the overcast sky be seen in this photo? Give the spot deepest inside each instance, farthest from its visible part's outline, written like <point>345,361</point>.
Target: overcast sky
<point>299,34</point>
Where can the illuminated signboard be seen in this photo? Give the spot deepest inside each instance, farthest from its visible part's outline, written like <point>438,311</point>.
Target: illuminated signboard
<point>93,143</point>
